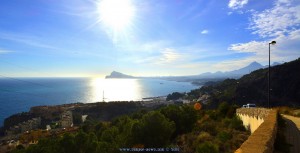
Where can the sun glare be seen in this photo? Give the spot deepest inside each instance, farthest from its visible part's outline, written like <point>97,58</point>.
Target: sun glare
<point>115,89</point>
<point>116,14</point>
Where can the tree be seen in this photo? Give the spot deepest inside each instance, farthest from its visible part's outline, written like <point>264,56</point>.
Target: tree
<point>223,109</point>
<point>80,141</point>
<point>109,135</point>
<point>184,117</point>
<point>153,130</point>
<point>91,143</point>
<point>67,143</point>
<point>124,125</point>
<point>174,96</point>
<point>207,147</point>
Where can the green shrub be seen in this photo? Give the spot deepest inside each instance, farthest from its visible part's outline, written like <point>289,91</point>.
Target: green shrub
<point>237,124</point>
<point>226,122</point>
<point>184,117</point>
<point>153,130</point>
<point>209,126</point>
<point>204,136</point>
<point>207,147</point>
<point>174,96</point>
<point>213,115</point>
<point>238,138</point>
<point>223,108</point>
<point>224,136</point>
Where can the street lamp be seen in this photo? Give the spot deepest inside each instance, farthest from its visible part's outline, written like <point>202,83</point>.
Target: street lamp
<point>271,43</point>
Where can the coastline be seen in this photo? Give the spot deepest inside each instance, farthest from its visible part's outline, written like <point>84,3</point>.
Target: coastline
<point>42,116</point>
<point>22,95</point>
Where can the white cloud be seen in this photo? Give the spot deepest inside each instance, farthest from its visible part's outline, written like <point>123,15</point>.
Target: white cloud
<point>3,51</point>
<point>252,46</point>
<point>191,10</point>
<point>204,32</point>
<point>237,4</point>
<point>295,35</point>
<point>232,65</point>
<point>144,47</point>
<point>169,55</point>
<point>27,40</point>
<point>152,46</point>
<point>286,49</point>
<point>282,19</point>
<point>287,2</point>
<point>165,57</point>
<point>280,23</point>
<point>181,58</point>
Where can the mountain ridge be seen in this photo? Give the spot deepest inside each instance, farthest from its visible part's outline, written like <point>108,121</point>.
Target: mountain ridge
<point>253,87</point>
<point>219,74</point>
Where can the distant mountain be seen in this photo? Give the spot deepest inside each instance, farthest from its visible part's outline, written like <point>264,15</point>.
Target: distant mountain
<point>115,74</point>
<point>233,74</point>
<point>208,76</point>
<point>245,70</point>
<point>276,63</point>
<point>253,87</point>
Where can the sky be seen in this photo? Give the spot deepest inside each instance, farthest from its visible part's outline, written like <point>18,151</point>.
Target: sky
<point>91,38</point>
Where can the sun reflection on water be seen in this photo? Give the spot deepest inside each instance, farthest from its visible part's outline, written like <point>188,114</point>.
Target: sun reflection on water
<point>115,89</point>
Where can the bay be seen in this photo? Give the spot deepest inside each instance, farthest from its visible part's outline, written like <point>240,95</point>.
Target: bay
<point>19,94</point>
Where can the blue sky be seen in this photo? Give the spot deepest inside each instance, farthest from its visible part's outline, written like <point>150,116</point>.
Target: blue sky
<point>77,38</point>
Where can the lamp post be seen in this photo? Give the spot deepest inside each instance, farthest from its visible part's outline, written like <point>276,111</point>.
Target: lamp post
<point>273,43</point>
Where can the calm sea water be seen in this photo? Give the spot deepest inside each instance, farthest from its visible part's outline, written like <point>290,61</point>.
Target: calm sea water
<point>18,95</point>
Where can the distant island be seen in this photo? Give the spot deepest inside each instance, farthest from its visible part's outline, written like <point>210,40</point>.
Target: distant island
<point>115,74</point>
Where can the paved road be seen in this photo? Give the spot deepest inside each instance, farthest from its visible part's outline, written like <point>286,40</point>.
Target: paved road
<point>292,132</point>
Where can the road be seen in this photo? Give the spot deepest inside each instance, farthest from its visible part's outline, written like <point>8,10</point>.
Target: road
<point>292,132</point>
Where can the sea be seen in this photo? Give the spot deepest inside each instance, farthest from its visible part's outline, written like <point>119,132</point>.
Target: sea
<point>19,94</point>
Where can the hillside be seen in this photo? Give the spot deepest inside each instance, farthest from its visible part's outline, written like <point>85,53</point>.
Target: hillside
<point>284,85</point>
<point>253,87</point>
<point>170,128</point>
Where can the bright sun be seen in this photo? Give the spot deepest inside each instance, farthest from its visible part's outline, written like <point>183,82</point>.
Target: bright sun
<point>116,14</point>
